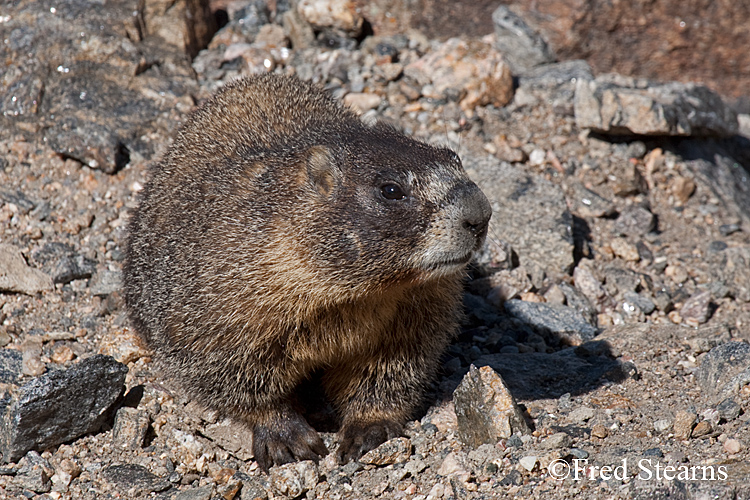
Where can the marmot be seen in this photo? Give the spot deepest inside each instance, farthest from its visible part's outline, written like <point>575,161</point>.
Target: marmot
<point>280,236</point>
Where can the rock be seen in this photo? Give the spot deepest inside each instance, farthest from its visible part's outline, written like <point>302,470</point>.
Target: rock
<point>735,272</point>
<point>486,409</point>
<point>454,464</point>
<point>724,370</point>
<point>624,249</point>
<point>470,71</point>
<point>682,188</point>
<point>523,47</point>
<point>683,424</point>
<point>662,425</point>
<point>588,285</point>
<point>702,428</point>
<point>201,493</point>
<point>61,82</point>
<point>613,104</point>
<point>556,441</point>
<point>732,446</point>
<point>338,14</point>
<point>233,436</point>
<point>519,201</point>
<point>106,282</point>
<point>697,309</point>
<point>635,221</point>
<point>362,102</point>
<point>18,199</point>
<point>295,479</point>
<point>254,488</point>
<point>586,202</point>
<point>528,462</point>
<point>17,276</point>
<point>394,451</point>
<point>35,473</point>
<point>126,346</point>
<point>729,409</point>
<point>599,431</point>
<point>136,480</point>
<point>581,414</point>
<point>129,431</point>
<point>643,303</point>
<point>560,322</point>
<point>11,366</point>
<point>60,406</point>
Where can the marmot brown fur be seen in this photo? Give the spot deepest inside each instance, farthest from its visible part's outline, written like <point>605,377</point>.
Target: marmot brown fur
<point>281,236</point>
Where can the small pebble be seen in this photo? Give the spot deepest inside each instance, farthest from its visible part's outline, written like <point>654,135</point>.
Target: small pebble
<point>528,462</point>
<point>662,425</point>
<point>703,428</point>
<point>683,424</point>
<point>599,431</point>
<point>697,309</point>
<point>581,414</point>
<point>728,409</point>
<point>732,446</point>
<point>555,441</point>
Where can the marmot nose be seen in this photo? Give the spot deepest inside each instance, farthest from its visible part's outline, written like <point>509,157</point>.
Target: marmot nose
<point>477,212</point>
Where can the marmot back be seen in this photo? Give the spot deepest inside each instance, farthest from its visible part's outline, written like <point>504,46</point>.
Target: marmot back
<point>281,236</point>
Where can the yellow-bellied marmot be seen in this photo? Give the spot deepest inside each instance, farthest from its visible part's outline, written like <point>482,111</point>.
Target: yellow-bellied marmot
<point>281,236</point>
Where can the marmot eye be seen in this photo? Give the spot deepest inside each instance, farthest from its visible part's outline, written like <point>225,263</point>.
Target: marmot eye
<point>392,192</point>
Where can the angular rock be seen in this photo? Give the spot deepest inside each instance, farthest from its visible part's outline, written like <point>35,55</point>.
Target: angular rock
<point>135,479</point>
<point>683,425</point>
<point>62,263</point>
<point>523,47</point>
<point>697,309</point>
<point>724,370</point>
<point>643,303</point>
<point>560,322</point>
<point>735,271</point>
<point>618,105</point>
<point>486,410</point>
<point>295,479</point>
<point>129,431</point>
<point>35,473</point>
<point>729,409</point>
<point>470,71</point>
<point>17,276</point>
<point>60,406</point>
<point>254,487</point>
<point>521,201</point>
<point>393,451</point>
<point>635,221</point>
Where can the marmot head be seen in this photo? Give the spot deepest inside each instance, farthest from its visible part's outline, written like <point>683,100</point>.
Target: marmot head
<point>393,209</point>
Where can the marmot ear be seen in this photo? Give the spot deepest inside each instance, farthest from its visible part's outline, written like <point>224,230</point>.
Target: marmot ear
<point>322,170</point>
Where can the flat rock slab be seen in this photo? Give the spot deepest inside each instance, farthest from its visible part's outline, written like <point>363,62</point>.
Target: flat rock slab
<point>135,479</point>
<point>563,322</point>
<point>60,406</point>
<point>528,212</point>
<point>17,276</point>
<point>617,105</point>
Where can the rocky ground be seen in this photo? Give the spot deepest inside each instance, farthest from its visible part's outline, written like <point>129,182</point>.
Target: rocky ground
<point>605,348</point>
